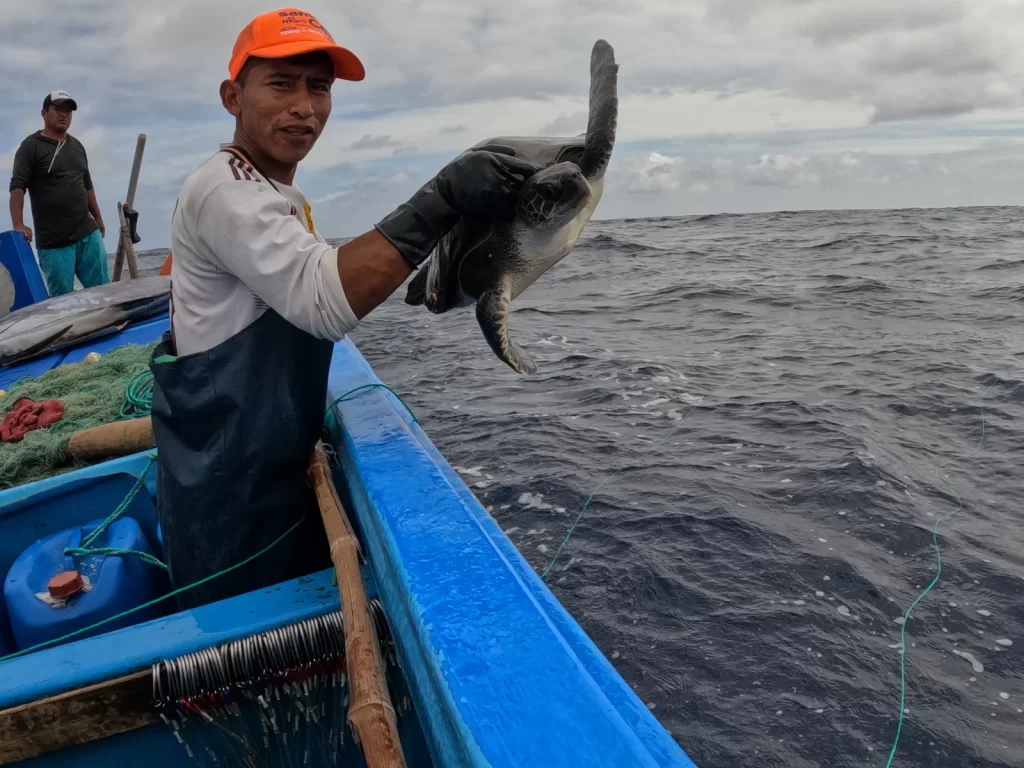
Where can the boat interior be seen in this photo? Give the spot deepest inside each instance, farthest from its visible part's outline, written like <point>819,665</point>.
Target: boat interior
<point>82,499</point>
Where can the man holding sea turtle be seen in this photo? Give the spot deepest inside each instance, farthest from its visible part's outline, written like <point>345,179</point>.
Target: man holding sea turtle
<point>258,299</point>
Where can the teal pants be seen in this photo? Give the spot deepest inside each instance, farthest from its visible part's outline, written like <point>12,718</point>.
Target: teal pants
<point>87,258</point>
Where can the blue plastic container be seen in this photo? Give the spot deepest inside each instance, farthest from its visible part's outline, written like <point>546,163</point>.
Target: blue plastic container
<point>22,277</point>
<point>6,641</point>
<point>159,544</point>
<point>117,583</point>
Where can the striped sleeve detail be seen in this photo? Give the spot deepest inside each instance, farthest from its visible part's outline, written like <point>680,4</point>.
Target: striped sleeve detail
<point>260,303</point>
<point>242,170</point>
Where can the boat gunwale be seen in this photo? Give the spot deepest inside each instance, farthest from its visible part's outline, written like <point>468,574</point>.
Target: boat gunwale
<point>605,724</point>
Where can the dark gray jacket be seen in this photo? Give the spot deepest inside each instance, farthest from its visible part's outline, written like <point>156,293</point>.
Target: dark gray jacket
<point>57,179</point>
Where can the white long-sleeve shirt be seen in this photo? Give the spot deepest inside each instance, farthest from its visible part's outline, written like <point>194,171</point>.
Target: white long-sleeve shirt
<point>239,246</point>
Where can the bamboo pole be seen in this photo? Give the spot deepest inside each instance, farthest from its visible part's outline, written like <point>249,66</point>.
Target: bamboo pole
<point>370,713</point>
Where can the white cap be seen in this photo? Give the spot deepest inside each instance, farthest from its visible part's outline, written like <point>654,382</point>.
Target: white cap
<point>55,97</point>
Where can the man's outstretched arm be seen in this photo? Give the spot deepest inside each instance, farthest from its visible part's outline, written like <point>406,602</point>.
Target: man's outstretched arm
<point>326,291</point>
<point>371,269</point>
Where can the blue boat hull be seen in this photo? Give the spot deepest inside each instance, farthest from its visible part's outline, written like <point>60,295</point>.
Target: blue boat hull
<point>499,674</point>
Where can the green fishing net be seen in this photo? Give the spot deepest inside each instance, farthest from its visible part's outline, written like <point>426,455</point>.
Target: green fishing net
<point>117,386</point>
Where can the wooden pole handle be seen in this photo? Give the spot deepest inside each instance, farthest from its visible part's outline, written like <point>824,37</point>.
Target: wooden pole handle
<point>133,179</point>
<point>370,711</point>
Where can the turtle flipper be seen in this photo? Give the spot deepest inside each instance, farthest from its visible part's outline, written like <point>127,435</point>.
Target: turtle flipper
<point>437,286</point>
<point>432,286</point>
<point>492,314</point>
<point>417,290</point>
<point>604,110</point>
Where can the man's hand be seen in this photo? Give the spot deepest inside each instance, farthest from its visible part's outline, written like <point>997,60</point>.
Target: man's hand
<point>477,182</point>
<point>483,182</point>
<point>480,182</point>
<point>103,229</point>
<point>26,231</point>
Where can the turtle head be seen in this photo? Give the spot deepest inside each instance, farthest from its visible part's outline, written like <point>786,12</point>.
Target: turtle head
<point>553,196</point>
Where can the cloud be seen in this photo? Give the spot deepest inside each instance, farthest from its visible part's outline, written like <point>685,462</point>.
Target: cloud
<point>781,171</point>
<point>655,172</point>
<point>566,125</point>
<point>722,102</point>
<point>374,142</point>
<point>331,196</point>
<point>714,178</point>
<point>830,24</point>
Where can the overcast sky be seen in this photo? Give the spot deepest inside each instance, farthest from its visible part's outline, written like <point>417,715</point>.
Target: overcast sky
<point>725,105</point>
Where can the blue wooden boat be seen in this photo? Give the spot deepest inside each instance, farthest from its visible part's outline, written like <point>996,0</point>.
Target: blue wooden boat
<point>497,673</point>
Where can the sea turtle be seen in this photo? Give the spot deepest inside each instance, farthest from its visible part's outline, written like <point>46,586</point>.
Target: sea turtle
<point>490,261</point>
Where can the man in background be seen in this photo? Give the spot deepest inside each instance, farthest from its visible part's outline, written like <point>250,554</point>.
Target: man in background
<point>51,165</point>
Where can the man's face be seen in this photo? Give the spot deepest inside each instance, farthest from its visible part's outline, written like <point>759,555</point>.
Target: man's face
<point>283,104</point>
<point>57,117</point>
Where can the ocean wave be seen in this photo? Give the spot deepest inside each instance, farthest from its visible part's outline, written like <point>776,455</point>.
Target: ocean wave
<point>856,285</point>
<point>606,242</point>
<point>1001,264</point>
<point>763,429</point>
<point>689,292</point>
<point>1000,293</point>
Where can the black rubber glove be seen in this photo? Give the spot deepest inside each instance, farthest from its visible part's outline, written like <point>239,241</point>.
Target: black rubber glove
<point>478,182</point>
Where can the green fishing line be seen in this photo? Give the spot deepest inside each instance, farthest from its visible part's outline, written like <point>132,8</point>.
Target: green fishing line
<point>138,396</point>
<point>115,387</point>
<point>586,504</point>
<point>372,386</point>
<point>935,580</point>
<point>87,549</point>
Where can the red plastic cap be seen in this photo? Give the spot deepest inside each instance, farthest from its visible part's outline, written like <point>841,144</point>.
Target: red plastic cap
<point>65,584</point>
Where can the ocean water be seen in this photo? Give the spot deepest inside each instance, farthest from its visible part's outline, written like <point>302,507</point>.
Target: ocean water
<point>774,411</point>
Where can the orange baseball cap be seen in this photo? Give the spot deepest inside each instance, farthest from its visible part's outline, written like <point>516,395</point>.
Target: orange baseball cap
<point>290,32</point>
